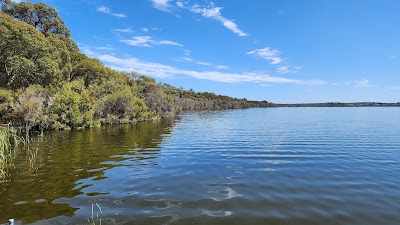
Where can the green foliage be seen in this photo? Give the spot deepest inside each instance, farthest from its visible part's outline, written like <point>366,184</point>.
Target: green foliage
<point>72,106</point>
<point>155,97</point>
<point>90,70</point>
<point>6,103</point>
<point>117,102</point>
<point>46,83</point>
<point>8,141</point>
<point>30,106</point>
<point>41,16</point>
<point>28,57</point>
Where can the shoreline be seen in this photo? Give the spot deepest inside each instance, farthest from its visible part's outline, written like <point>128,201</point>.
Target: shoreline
<point>339,104</point>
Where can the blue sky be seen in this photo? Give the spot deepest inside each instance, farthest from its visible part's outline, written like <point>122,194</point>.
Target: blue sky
<point>285,51</point>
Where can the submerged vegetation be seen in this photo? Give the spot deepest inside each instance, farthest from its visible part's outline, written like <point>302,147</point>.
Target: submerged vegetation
<point>46,83</point>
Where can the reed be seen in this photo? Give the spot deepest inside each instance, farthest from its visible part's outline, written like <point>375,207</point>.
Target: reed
<point>9,139</point>
<point>93,218</point>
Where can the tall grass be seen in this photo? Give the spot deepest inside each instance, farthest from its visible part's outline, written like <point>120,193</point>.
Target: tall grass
<point>94,219</point>
<point>9,140</point>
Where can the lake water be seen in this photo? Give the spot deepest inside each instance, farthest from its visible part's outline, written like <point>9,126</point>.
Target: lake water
<point>299,166</point>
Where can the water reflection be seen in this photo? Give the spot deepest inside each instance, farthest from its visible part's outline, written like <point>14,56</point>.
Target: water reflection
<point>59,166</point>
<point>259,166</point>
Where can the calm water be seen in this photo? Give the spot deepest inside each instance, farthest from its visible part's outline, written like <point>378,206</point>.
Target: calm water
<point>298,166</point>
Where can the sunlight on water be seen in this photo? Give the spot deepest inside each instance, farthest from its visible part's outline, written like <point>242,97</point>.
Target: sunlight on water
<point>257,166</point>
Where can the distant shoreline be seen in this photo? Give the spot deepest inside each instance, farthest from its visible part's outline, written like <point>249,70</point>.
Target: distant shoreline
<point>338,104</point>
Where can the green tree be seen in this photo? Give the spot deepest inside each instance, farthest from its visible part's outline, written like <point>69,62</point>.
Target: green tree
<point>72,106</point>
<point>90,70</point>
<point>6,103</point>
<point>28,57</point>
<point>43,17</point>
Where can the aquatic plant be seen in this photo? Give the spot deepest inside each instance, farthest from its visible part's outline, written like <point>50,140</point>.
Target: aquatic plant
<point>9,139</point>
<point>93,220</point>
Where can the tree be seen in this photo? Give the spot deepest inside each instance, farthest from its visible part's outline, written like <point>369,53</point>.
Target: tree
<point>28,57</point>
<point>43,17</point>
<point>87,69</point>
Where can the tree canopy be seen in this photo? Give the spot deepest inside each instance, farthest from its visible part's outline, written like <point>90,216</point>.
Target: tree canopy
<point>43,17</point>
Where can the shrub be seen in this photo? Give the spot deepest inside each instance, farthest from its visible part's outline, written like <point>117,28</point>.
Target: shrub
<point>72,106</point>
<point>6,103</point>
<point>120,107</point>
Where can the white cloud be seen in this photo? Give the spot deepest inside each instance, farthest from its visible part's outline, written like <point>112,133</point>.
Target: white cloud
<point>162,5</point>
<point>180,4</point>
<point>161,70</point>
<point>147,41</point>
<point>125,30</point>
<point>281,12</point>
<point>288,69</point>
<point>164,42</point>
<point>363,83</point>
<point>210,11</point>
<point>283,69</point>
<point>202,63</point>
<point>214,12</point>
<point>268,54</point>
<point>145,29</point>
<point>221,67</point>
<point>105,48</point>
<point>120,15</point>
<point>106,10</point>
<point>186,52</point>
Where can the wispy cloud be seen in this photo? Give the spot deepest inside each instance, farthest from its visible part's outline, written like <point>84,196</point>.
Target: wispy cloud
<point>147,41</point>
<point>281,12</point>
<point>363,83</point>
<point>120,15</point>
<point>288,69</point>
<point>106,10</point>
<point>211,11</point>
<point>214,12</point>
<point>146,29</point>
<point>268,54</point>
<point>202,63</point>
<point>124,30</point>
<point>163,5</point>
<point>105,48</point>
<point>161,70</point>
<point>186,52</point>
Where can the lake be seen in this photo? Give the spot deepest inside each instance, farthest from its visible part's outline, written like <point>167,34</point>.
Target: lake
<point>271,166</point>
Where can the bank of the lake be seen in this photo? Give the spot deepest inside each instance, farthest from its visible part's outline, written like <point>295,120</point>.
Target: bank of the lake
<point>255,166</point>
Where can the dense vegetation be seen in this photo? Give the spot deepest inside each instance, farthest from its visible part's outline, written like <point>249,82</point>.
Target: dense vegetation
<point>46,83</point>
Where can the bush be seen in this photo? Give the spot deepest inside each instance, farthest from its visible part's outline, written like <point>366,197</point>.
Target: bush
<point>72,106</point>
<point>6,103</point>
<point>120,107</point>
<point>29,108</point>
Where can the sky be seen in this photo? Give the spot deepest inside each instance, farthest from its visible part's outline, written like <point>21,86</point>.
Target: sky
<point>285,51</point>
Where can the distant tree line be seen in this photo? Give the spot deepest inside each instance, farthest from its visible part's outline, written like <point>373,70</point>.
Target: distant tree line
<point>340,104</point>
<point>46,83</point>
